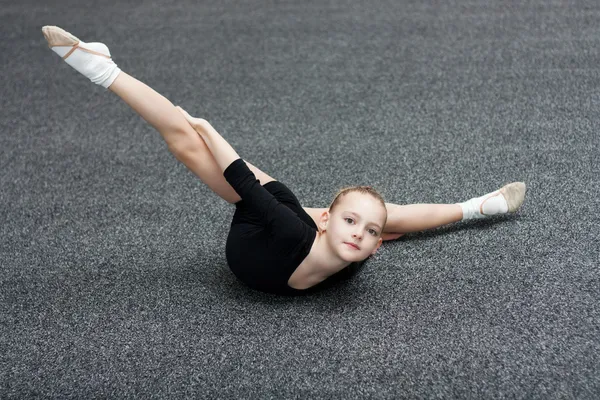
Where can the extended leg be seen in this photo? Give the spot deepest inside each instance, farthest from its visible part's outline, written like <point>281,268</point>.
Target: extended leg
<point>404,219</point>
<point>182,140</point>
<point>419,217</point>
<point>93,61</point>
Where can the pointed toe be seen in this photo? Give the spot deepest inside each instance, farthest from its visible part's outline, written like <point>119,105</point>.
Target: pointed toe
<point>514,193</point>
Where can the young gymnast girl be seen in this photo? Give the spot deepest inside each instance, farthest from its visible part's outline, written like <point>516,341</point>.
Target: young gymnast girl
<point>274,245</point>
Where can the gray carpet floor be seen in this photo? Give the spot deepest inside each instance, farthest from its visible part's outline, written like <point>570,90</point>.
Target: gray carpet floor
<point>113,277</point>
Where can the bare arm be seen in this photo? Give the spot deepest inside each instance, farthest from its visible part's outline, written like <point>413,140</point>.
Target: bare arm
<point>222,151</point>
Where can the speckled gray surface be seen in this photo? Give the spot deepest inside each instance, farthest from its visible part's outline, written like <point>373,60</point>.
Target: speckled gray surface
<point>113,278</point>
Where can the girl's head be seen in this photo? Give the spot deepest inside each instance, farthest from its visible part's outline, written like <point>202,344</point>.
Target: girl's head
<point>355,218</point>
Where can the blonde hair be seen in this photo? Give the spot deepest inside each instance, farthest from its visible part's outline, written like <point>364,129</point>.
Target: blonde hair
<point>359,189</point>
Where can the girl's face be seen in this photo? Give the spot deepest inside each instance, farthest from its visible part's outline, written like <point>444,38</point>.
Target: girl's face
<point>354,227</point>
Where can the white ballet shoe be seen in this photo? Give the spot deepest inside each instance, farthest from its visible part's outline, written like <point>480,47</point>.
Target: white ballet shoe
<point>93,60</point>
<point>507,199</point>
<point>514,193</point>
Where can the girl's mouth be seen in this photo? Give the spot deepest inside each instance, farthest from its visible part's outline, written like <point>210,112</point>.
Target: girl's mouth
<point>352,245</point>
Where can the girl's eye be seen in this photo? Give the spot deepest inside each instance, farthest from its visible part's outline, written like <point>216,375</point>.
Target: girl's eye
<point>349,219</point>
<point>374,233</point>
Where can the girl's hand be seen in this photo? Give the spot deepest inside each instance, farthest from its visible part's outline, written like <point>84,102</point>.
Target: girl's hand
<point>222,151</point>
<point>194,122</point>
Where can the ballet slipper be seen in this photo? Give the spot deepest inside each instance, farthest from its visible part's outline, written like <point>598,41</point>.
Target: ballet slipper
<point>96,65</point>
<point>514,193</point>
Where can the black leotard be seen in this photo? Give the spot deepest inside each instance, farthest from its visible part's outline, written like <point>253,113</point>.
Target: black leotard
<point>270,234</point>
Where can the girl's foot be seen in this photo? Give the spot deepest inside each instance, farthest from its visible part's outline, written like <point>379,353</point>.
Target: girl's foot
<point>91,59</point>
<point>508,199</point>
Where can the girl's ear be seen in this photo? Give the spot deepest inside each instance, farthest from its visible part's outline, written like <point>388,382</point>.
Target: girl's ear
<point>323,221</point>
<point>379,242</point>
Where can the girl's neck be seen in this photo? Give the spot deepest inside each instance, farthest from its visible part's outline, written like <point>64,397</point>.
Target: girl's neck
<point>321,258</point>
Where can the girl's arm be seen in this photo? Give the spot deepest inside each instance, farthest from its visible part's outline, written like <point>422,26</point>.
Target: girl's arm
<point>219,147</point>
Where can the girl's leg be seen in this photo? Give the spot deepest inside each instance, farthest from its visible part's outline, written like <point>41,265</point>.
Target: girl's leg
<point>93,61</point>
<point>404,219</point>
<point>182,140</point>
<point>420,217</point>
